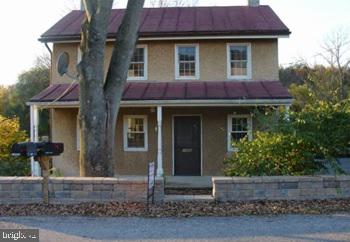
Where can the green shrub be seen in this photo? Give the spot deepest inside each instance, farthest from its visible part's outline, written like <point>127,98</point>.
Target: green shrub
<point>290,146</point>
<point>10,134</point>
<point>326,126</point>
<point>271,154</point>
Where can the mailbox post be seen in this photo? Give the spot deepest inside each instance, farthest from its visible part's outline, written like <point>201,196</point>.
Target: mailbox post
<point>42,152</point>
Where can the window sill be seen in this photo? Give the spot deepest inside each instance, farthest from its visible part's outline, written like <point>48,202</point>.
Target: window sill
<point>137,79</point>
<point>233,150</point>
<point>237,78</point>
<point>187,78</point>
<point>127,149</point>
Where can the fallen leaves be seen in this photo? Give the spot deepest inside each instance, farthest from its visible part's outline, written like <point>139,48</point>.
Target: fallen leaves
<point>179,209</point>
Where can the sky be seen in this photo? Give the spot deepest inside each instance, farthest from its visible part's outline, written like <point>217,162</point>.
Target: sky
<point>23,21</point>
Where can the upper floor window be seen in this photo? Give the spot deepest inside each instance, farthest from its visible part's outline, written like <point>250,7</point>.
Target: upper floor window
<point>238,127</point>
<point>135,133</point>
<point>239,61</point>
<point>186,62</point>
<point>138,64</point>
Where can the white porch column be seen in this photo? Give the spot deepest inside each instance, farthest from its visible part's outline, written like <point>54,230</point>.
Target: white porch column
<point>159,149</point>
<point>34,136</point>
<point>287,107</point>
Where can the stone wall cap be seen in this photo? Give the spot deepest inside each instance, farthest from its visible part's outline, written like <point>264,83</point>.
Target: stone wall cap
<point>221,179</point>
<point>337,177</point>
<point>110,180</point>
<point>83,180</point>
<point>275,179</point>
<point>19,179</point>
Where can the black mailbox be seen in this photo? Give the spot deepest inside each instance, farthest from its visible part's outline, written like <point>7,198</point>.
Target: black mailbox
<point>32,149</point>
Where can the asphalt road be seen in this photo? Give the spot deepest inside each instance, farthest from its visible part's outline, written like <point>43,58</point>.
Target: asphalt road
<point>276,228</point>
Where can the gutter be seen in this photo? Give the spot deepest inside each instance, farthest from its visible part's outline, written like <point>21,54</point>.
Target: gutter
<point>48,48</point>
<point>184,36</point>
<point>176,103</point>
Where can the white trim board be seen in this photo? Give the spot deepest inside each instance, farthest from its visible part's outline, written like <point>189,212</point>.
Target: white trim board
<point>229,128</point>
<point>197,62</point>
<point>125,132</point>
<point>178,103</point>
<point>188,38</point>
<point>145,61</point>
<point>249,61</point>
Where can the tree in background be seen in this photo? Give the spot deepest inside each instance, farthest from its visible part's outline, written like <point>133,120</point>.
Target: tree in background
<point>320,83</point>
<point>294,74</point>
<point>3,98</point>
<point>335,52</point>
<point>29,83</point>
<point>330,83</point>
<point>10,133</point>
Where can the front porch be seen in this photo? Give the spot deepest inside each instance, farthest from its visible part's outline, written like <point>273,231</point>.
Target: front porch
<point>186,128</point>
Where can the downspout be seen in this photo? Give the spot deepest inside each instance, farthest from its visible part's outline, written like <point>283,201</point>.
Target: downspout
<point>50,51</point>
<point>50,82</point>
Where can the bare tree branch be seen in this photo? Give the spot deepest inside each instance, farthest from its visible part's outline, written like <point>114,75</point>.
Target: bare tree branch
<point>43,60</point>
<point>172,3</point>
<point>336,47</point>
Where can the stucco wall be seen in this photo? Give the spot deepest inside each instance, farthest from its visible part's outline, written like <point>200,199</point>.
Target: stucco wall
<point>72,50</point>
<point>64,130</point>
<point>212,55</point>
<point>214,140</point>
<point>135,163</point>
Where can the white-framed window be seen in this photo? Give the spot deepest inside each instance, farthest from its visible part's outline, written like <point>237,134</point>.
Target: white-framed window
<point>238,127</point>
<point>135,133</point>
<point>78,133</point>
<point>187,61</point>
<point>239,61</point>
<point>138,64</point>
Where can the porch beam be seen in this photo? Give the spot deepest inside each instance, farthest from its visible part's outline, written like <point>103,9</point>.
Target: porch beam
<point>160,142</point>
<point>34,137</point>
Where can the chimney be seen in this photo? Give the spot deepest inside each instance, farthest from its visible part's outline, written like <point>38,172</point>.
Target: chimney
<point>253,3</point>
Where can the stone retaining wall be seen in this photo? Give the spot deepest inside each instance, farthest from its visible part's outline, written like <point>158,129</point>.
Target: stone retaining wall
<point>78,189</point>
<point>280,188</point>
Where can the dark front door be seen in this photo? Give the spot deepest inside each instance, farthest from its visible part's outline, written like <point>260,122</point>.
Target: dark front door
<point>187,145</point>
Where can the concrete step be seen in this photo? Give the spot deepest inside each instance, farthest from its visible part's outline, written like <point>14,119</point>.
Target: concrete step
<point>188,191</point>
<point>188,182</point>
<point>188,198</point>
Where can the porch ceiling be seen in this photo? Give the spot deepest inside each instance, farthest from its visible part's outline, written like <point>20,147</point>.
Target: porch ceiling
<point>194,92</point>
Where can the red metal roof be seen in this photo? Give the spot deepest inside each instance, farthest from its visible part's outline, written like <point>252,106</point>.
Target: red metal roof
<point>141,91</point>
<point>181,21</point>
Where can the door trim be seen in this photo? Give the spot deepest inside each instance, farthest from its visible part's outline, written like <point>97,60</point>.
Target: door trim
<point>173,141</point>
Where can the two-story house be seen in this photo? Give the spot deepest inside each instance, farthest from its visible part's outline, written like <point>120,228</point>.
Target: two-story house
<point>196,76</point>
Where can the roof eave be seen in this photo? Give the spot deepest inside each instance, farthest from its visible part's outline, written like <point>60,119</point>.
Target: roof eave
<point>175,36</point>
<point>178,103</point>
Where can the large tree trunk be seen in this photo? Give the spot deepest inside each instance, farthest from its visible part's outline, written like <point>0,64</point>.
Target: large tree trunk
<point>99,98</point>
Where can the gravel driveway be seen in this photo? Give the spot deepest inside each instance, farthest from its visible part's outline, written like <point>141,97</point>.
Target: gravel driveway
<point>275,228</point>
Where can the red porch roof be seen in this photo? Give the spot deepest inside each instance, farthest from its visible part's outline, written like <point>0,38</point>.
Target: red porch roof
<point>143,91</point>
<point>181,21</point>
